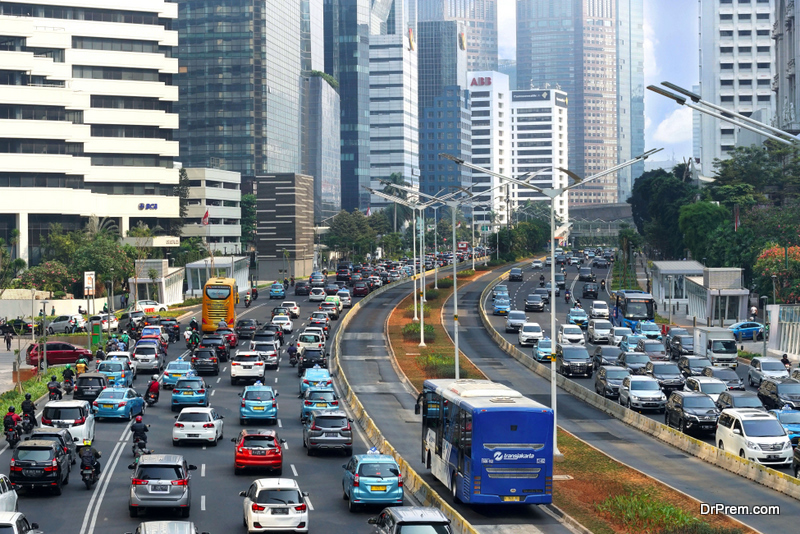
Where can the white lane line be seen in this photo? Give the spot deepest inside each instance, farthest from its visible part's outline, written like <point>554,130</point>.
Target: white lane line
<point>310,506</point>
<point>286,446</point>
<point>203,470</point>
<point>213,391</point>
<point>294,471</point>
<point>276,379</point>
<point>204,447</point>
<point>202,503</point>
<point>280,425</point>
<point>224,368</point>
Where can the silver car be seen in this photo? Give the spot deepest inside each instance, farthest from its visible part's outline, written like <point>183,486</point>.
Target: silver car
<point>761,368</point>
<point>643,393</point>
<point>160,481</point>
<point>515,320</point>
<point>328,430</point>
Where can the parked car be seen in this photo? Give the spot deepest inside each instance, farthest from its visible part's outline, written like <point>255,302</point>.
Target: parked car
<point>103,319</point>
<point>608,380</point>
<point>160,481</point>
<point>39,464</point>
<point>274,504</point>
<point>58,353</point>
<point>372,479</point>
<point>258,450</point>
<point>705,384</point>
<point>739,399</point>
<point>780,393</point>
<point>149,306</point>
<point>761,368</point>
<point>63,324</point>
<point>667,373</point>
<point>642,392</point>
<point>130,318</point>
<point>328,430</point>
<point>754,435</point>
<point>691,411</point>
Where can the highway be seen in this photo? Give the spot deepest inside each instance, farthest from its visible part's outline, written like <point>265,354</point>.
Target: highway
<point>703,481</point>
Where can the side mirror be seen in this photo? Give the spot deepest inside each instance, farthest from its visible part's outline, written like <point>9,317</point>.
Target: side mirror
<point>35,526</point>
<point>305,494</point>
<point>283,441</point>
<point>417,409</point>
<point>239,394</point>
<point>75,440</point>
<point>737,431</point>
<point>242,494</point>
<point>372,520</point>
<point>192,467</point>
<point>344,466</point>
<point>350,419</point>
<point>233,440</point>
<point>176,417</point>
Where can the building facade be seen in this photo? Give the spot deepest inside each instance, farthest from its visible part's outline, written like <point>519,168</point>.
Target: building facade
<point>87,117</point>
<point>479,18</point>
<point>220,194</point>
<point>787,51</point>
<point>630,92</point>
<point>445,127</point>
<point>442,58</point>
<point>737,66</point>
<point>321,147</point>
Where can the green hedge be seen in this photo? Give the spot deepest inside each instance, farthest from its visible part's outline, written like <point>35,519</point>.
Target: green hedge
<point>437,365</point>
<point>445,283</point>
<point>466,273</point>
<point>189,302</point>
<point>431,294</point>
<point>36,386</point>
<point>411,332</point>
<point>425,308</point>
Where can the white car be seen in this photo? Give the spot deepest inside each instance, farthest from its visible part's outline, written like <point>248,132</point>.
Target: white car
<point>8,499</point>
<point>536,264</point>
<point>247,365</point>
<point>316,330</point>
<point>149,306</point>
<point>310,340</point>
<point>77,415</point>
<point>284,322</point>
<point>574,260</point>
<point>268,350</point>
<point>599,330</point>
<point>599,308</point>
<point>755,435</point>
<point>617,333</point>
<point>317,294</point>
<point>706,384</point>
<point>530,334</point>
<point>345,298</point>
<point>294,309</point>
<point>15,523</point>
<point>377,282</point>
<point>569,334</point>
<point>103,319</point>
<point>197,424</point>
<point>121,355</point>
<point>275,504</point>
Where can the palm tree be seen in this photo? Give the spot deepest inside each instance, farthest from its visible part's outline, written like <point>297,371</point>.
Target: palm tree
<point>102,227</point>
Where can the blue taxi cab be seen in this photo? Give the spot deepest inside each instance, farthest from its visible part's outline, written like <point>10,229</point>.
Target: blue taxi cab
<point>315,377</point>
<point>118,403</point>
<point>118,372</point>
<point>317,399</point>
<point>543,351</point>
<point>501,306</point>
<point>190,391</point>
<point>372,479</point>
<point>277,291</point>
<point>175,371</point>
<point>259,403</point>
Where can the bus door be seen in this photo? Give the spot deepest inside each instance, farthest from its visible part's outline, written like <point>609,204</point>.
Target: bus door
<point>465,445</point>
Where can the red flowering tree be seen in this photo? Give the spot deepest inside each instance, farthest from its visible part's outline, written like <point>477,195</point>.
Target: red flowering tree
<point>49,276</point>
<point>772,261</point>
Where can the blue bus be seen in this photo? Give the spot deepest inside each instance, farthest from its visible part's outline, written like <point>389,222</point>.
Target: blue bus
<point>487,443</point>
<point>631,306</point>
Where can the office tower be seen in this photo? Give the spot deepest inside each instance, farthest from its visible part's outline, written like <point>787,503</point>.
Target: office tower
<point>630,92</point>
<point>218,193</point>
<point>312,35</point>
<point>239,85</point>
<point>442,58</point>
<point>787,51</point>
<point>480,20</point>
<point>737,65</point>
<point>321,147</point>
<point>87,111</point>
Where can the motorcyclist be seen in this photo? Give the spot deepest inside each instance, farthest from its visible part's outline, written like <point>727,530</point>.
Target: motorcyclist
<point>603,284</point>
<point>193,324</point>
<point>291,281</point>
<point>68,374</point>
<point>54,387</point>
<point>81,366</point>
<point>784,360</point>
<point>139,430</point>
<point>29,408</point>
<point>89,456</point>
<point>567,295</point>
<point>11,418</point>
<point>292,351</point>
<point>125,338</point>
<point>255,293</point>
<point>541,278</point>
<point>153,386</point>
<point>194,339</point>
<point>247,299</point>
<point>578,303</point>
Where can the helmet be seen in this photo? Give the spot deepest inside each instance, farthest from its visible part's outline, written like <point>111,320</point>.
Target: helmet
<point>53,377</point>
<point>87,442</point>
<point>27,396</point>
<point>69,366</point>
<point>11,409</point>
<point>193,319</point>
<point>114,336</point>
<point>125,332</point>
<point>138,418</point>
<point>154,377</point>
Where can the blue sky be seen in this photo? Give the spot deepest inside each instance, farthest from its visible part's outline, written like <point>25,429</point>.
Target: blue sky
<point>670,54</point>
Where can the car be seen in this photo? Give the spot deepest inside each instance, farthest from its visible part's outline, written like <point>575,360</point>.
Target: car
<point>599,330</point>
<point>604,355</point>
<point>331,309</point>
<point>63,324</point>
<point>317,280</point>
<point>630,342</point>
<point>635,361</point>
<point>370,479</point>
<point>149,357</point>
<point>617,333</point>
<point>568,333</point>
<point>331,289</point>
<point>530,333</point>
<point>149,306</point>
<point>284,322</point>
<point>20,327</point>
<point>315,377</point>
<point>502,295</point>
<point>673,331</point>
<point>534,302</point>
<point>547,288</point>
<point>514,320</point>
<point>573,360</point>
<point>761,368</point>
<point>543,352</point>
<point>726,374</point>
<point>190,391</point>
<point>205,360</point>
<point>667,373</point>
<point>317,294</point>
<point>258,449</point>
<point>693,365</point>
<point>320,320</point>
<point>277,291</point>
<point>119,372</point>
<point>155,339</point>
<point>247,365</point>
<point>578,317</point>
<point>270,333</point>
<point>172,527</point>
<point>58,353</point>
<point>345,298</point>
<point>598,309</point>
<point>328,430</point>
<point>586,275</point>
<point>102,319</point>
<point>600,263</point>
<point>202,424</point>
<point>680,345</point>
<point>653,348</point>
<point>590,291</point>
<point>118,403</point>
<point>747,330</point>
<point>561,281</point>
<point>790,420</point>
<point>691,412</point>
<point>13,522</point>
<point>780,393</point>
<point>39,463</point>
<point>648,329</point>
<point>343,274</point>
<point>125,357</point>
<point>499,288</point>
<point>755,435</point>
<point>705,384</point>
<point>641,392</point>
<point>230,335</point>
<point>608,380</point>
<point>245,328</point>
<point>574,260</point>
<point>317,399</point>
<point>219,343</point>
<point>515,275</point>
<point>174,371</point>
<point>129,319</point>
<point>536,264</point>
<point>411,519</point>
<point>302,287</point>
<point>739,399</point>
<point>268,351</point>
<point>160,481</point>
<point>89,385</point>
<point>60,436</point>
<point>275,504</point>
<point>259,403</point>
<point>76,415</point>
<point>501,307</point>
<point>548,261</point>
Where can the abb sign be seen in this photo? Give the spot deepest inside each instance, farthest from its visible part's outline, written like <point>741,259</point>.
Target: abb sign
<point>481,81</point>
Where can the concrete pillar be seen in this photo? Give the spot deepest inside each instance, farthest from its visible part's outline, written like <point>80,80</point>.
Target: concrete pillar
<point>124,226</point>
<point>22,246</point>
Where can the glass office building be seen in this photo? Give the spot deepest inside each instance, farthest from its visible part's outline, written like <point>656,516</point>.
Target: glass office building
<point>446,126</point>
<point>479,18</point>
<point>321,146</point>
<point>442,58</point>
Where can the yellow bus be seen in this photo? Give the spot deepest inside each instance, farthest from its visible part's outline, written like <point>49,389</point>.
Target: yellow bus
<point>220,296</point>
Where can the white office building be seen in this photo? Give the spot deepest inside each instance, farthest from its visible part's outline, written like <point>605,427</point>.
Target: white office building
<point>737,65</point>
<point>219,193</point>
<point>86,118</point>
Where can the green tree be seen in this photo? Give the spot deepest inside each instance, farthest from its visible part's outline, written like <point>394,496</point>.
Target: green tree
<point>770,168</point>
<point>784,264</point>
<point>697,221</point>
<point>181,190</point>
<point>380,223</point>
<point>248,205</point>
<point>9,268</point>
<point>628,240</point>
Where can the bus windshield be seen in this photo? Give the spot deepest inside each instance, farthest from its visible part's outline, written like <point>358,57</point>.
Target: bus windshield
<point>218,292</point>
<point>639,309</point>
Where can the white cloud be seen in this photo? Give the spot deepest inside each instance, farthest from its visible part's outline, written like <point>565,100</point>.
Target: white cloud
<point>651,68</point>
<point>675,128</point>
<point>507,28</point>
<point>647,122</point>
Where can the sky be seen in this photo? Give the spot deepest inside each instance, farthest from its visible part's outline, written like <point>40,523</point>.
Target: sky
<point>670,46</point>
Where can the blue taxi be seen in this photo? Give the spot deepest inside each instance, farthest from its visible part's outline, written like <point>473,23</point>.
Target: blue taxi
<point>543,351</point>
<point>648,329</point>
<point>501,306</point>
<point>629,342</point>
<point>318,399</point>
<point>747,330</point>
<point>578,317</point>
<point>175,371</point>
<point>277,291</point>
<point>372,478</point>
<point>190,391</point>
<point>315,377</point>
<point>119,372</point>
<point>258,403</point>
<point>790,420</point>
<point>118,403</point>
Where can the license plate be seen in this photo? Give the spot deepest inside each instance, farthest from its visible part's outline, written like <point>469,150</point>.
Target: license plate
<point>331,435</point>
<point>108,406</point>
<point>31,472</point>
<point>258,408</point>
<point>772,457</point>
<point>187,392</point>
<point>193,435</point>
<point>176,376</point>
<point>257,452</point>
<point>378,488</point>
<point>161,488</point>
<point>247,367</point>
<point>510,499</point>
<point>321,405</point>
<point>280,511</point>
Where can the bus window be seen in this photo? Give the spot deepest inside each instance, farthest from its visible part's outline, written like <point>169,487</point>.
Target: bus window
<point>466,433</point>
<point>430,410</point>
<point>218,292</point>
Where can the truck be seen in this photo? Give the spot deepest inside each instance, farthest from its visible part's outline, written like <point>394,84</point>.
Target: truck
<point>716,344</point>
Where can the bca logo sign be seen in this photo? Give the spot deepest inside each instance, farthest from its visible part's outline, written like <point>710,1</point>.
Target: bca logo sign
<point>481,81</point>
<point>498,456</point>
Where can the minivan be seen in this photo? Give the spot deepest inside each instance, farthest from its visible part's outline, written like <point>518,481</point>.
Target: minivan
<point>89,385</point>
<point>160,481</point>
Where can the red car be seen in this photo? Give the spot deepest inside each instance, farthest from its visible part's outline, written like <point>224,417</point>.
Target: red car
<point>360,289</point>
<point>258,449</point>
<point>230,335</point>
<point>58,353</point>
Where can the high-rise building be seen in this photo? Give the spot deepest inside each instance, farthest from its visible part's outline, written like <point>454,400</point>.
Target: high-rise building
<point>787,52</point>
<point>480,20</point>
<point>321,147</point>
<point>442,58</point>
<point>239,85</point>
<point>87,117</point>
<point>218,193</point>
<point>312,35</point>
<point>737,65</point>
<point>630,92</point>
<point>445,127</point>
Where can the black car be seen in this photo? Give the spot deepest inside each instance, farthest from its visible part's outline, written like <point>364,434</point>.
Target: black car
<point>608,380</point>
<point>780,393</point>
<point>343,274</point>
<point>219,344</point>
<point>692,365</point>
<point>605,355</point>
<point>561,259</point>
<point>726,374</point>
<point>302,287</point>
<point>590,291</point>
<point>534,303</point>
<point>680,345</point>
<point>561,281</point>
<point>547,289</point>
<point>635,361</point>
<point>273,329</point>
<point>739,399</point>
<point>544,293</point>
<point>668,375</point>
<point>310,358</point>
<point>39,463</point>
<point>331,289</point>
<point>601,263</point>
<point>515,275</point>
<point>89,385</point>
<point>573,360</point>
<point>171,327</point>
<point>245,328</point>
<point>20,326</point>
<point>691,412</point>
<point>60,436</point>
<point>205,360</point>
<point>586,275</point>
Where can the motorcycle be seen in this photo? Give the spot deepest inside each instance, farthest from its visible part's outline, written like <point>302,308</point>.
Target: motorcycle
<point>247,303</point>
<point>138,452</point>
<point>567,297</point>
<point>68,386</point>
<point>138,446</point>
<point>13,436</point>
<point>28,422</point>
<point>150,398</point>
<point>293,360</point>
<point>89,476</point>
<point>54,394</point>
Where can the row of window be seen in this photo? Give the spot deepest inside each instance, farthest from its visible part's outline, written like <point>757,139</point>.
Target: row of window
<point>10,179</point>
<point>745,66</point>
<point>745,98</point>
<point>743,49</point>
<point>138,132</point>
<point>39,146</point>
<point>40,113</point>
<point>81,13</point>
<point>743,16</point>
<point>744,83</point>
<point>130,160</point>
<point>119,73</point>
<point>120,45</point>
<point>13,77</point>
<point>130,102</point>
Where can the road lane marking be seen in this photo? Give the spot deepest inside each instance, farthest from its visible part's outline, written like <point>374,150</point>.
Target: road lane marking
<point>294,471</point>
<point>224,368</point>
<point>276,379</point>
<point>218,379</point>
<point>213,391</point>
<point>280,425</point>
<point>286,446</point>
<point>202,503</point>
<point>310,506</point>
<point>203,470</point>
<point>204,447</point>
<point>96,501</point>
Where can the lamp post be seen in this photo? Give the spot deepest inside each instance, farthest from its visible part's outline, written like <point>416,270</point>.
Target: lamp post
<point>552,193</point>
<point>44,334</point>
<point>764,301</point>
<point>669,279</point>
<point>435,246</point>
<point>774,277</point>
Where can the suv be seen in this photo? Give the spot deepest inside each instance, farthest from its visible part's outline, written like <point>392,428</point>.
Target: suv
<point>534,303</point>
<point>160,481</point>
<point>57,353</point>
<point>204,360</point>
<point>754,435</point>
<point>569,333</point>
<point>561,281</point>
<point>641,392</point>
<point>39,463</point>
<point>63,324</point>
<point>680,345</point>
<point>635,361</point>
<point>608,380</point>
<point>739,399</point>
<point>515,275</point>
<point>599,330</point>
<point>258,449</point>
<point>302,287</point>
<point>89,385</point>
<point>691,412</point>
<point>761,368</point>
<point>361,477</point>
<point>217,343</point>
<point>426,519</point>
<point>586,275</point>
<point>129,319</point>
<point>726,374</point>
<point>309,358</point>
<point>60,436</point>
<point>693,365</point>
<point>245,328</point>
<point>705,384</point>
<point>149,357</point>
<point>275,503</point>
<point>75,415</point>
<point>780,394</point>
<point>590,291</point>
<point>328,430</point>
<point>573,360</point>
<point>514,321</point>
<point>247,365</point>
<point>598,309</point>
<point>605,355</point>
<point>667,373</point>
<point>530,334</point>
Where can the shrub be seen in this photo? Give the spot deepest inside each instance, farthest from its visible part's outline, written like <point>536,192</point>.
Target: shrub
<point>58,295</point>
<point>432,294</point>
<point>495,262</point>
<point>482,267</point>
<point>438,365</point>
<point>466,273</point>
<point>445,283</point>
<point>411,332</point>
<point>643,512</point>
<point>410,311</point>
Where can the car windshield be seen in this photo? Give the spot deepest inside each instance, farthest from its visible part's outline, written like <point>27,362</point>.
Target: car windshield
<point>502,302</point>
<point>724,345</point>
<point>194,417</point>
<point>649,327</point>
<point>33,455</point>
<point>667,369</point>
<point>713,388</point>
<point>534,298</point>
<point>699,402</point>
<point>622,332</point>
<point>516,315</point>
<point>378,470</point>
<point>259,442</point>
<point>111,395</point>
<point>765,428</point>
<point>645,385</point>
<point>600,306</point>
<point>602,325</point>
<point>531,328</point>
<point>703,362</point>
<point>751,401</point>
<point>726,374</point>
<point>497,289</point>
<point>637,358</point>
<point>109,367</point>
<point>159,472</point>
<point>246,322</point>
<point>654,347</point>
<point>145,350</point>
<point>178,367</point>
<point>189,384</point>
<point>578,312</point>
<point>279,496</point>
<point>789,418</point>
<point>281,319</point>
<point>789,389</point>
<point>772,366</point>
<point>321,395</point>
<point>258,395</point>
<point>572,330</point>
<point>616,374</point>
<point>686,341</point>
<point>545,344</point>
<point>312,354</point>
<point>90,381</point>
<point>575,353</point>
<point>62,412</point>
<point>309,338</point>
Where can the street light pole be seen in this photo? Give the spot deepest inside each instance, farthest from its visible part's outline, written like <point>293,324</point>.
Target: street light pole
<point>669,278</point>
<point>44,334</point>
<point>765,301</point>
<point>774,277</point>
<point>414,247</point>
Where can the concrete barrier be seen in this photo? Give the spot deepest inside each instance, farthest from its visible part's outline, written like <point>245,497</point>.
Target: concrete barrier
<point>746,468</point>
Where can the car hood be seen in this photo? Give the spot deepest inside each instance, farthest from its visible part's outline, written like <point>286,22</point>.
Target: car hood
<point>659,376</point>
<point>701,411</point>
<point>613,382</point>
<point>776,374</point>
<point>789,397</point>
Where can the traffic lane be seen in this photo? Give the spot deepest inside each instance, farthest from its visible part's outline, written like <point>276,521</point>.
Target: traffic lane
<point>366,361</point>
<point>687,473</point>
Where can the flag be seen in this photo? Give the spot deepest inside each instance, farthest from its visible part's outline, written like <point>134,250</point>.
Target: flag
<point>369,211</point>
<point>205,219</point>
<point>736,217</point>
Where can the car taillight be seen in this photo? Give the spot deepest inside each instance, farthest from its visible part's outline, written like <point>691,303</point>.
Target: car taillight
<point>235,363</point>
<point>257,507</point>
<point>123,403</point>
<point>335,403</point>
<point>80,421</point>
<point>194,359</point>
<point>315,427</point>
<point>175,391</point>
<point>399,481</point>
<point>258,364</point>
<point>139,482</point>
<point>214,360</point>
<point>274,403</point>
<point>348,428</point>
<point>53,466</point>
<point>178,425</point>
<point>355,481</point>
<point>46,421</point>
<point>307,403</point>
<point>240,450</point>
<point>94,403</point>
<point>300,508</point>
<point>242,403</point>
<point>201,391</point>
<point>305,381</point>
<point>182,482</point>
<point>208,425</point>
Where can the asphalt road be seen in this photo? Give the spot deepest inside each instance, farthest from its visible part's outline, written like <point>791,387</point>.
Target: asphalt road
<point>703,481</point>
<point>216,504</point>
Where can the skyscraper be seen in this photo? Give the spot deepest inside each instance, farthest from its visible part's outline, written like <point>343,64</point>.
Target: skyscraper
<point>479,18</point>
<point>442,58</point>
<point>787,52</point>
<point>630,92</point>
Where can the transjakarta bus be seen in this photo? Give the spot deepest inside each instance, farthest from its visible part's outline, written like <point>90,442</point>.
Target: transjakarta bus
<point>220,295</point>
<point>632,306</point>
<point>487,442</point>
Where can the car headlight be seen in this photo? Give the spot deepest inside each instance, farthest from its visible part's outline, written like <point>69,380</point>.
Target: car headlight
<point>663,397</point>
<point>787,444</point>
<point>753,445</point>
<point>634,397</point>
<point>692,416</point>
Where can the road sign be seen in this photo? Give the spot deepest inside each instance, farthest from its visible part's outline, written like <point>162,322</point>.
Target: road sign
<point>88,283</point>
<point>431,227</point>
<point>484,228</point>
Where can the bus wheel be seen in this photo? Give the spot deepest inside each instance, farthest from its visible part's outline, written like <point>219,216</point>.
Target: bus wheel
<point>454,488</point>
<point>428,462</point>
